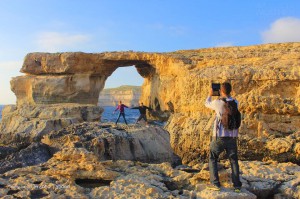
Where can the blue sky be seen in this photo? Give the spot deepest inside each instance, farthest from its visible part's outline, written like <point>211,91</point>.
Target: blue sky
<point>151,26</point>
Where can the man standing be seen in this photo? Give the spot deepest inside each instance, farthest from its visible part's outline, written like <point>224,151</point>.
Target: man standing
<point>121,108</point>
<point>142,110</point>
<point>223,139</point>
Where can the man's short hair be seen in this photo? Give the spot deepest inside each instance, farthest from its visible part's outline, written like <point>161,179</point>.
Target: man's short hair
<point>226,88</point>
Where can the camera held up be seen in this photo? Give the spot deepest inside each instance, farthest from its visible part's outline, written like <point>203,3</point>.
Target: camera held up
<point>216,89</point>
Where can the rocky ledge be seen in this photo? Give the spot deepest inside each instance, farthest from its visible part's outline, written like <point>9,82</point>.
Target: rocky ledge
<point>106,142</point>
<point>93,160</point>
<point>25,124</point>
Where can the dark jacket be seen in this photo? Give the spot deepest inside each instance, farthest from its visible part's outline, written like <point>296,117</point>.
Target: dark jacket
<point>142,109</point>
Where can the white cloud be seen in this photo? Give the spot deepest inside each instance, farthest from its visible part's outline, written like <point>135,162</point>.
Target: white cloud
<point>56,41</point>
<point>283,30</point>
<point>8,69</point>
<point>224,44</point>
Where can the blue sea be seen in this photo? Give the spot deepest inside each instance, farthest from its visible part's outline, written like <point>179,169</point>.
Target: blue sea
<point>108,116</point>
<point>131,115</point>
<point>1,107</point>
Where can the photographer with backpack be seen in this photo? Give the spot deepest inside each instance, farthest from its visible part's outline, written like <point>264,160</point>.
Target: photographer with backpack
<point>225,133</point>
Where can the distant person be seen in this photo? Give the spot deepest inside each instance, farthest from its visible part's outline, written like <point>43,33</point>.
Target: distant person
<point>143,111</point>
<point>121,108</point>
<point>225,133</point>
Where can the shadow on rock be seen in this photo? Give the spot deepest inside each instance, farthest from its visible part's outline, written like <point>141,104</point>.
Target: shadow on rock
<point>35,153</point>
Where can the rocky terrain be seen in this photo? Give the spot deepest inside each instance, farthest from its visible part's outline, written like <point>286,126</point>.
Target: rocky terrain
<point>129,95</point>
<point>92,160</point>
<point>132,142</point>
<point>57,103</point>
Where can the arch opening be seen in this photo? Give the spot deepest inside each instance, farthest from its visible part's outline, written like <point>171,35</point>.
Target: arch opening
<point>124,84</point>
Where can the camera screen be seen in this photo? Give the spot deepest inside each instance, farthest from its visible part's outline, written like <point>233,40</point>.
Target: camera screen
<point>216,88</point>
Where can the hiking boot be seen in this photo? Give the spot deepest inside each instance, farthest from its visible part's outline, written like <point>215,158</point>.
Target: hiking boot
<point>237,189</point>
<point>213,187</point>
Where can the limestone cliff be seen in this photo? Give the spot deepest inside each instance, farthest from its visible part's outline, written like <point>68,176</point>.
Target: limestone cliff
<point>265,80</point>
<point>129,95</point>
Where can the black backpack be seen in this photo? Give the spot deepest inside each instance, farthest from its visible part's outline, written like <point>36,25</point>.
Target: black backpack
<point>231,118</point>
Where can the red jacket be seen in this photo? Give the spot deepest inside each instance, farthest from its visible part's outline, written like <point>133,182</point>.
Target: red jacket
<point>121,108</point>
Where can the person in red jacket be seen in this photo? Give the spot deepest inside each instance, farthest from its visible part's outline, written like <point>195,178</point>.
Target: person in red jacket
<point>121,107</point>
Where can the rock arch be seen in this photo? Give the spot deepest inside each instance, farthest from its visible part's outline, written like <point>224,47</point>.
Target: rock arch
<point>71,77</point>
<point>265,79</point>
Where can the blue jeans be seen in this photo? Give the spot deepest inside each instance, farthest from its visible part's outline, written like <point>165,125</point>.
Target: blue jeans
<point>123,114</point>
<point>217,146</point>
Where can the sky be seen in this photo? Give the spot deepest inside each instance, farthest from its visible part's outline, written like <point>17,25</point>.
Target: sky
<point>150,26</point>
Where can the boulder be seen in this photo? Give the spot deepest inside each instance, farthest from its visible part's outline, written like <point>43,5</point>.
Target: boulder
<point>225,193</point>
<point>268,179</point>
<point>30,123</point>
<point>35,153</point>
<point>145,144</point>
<point>6,150</point>
<point>280,145</point>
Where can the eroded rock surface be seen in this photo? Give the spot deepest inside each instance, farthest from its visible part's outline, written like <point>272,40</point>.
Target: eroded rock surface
<point>92,160</point>
<point>77,173</point>
<point>25,124</point>
<point>34,154</point>
<point>133,142</point>
<point>53,89</point>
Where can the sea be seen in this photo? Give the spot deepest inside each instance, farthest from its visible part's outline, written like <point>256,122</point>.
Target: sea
<point>131,115</point>
<point>1,107</point>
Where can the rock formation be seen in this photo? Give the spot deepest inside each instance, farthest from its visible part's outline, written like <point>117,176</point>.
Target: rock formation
<point>97,160</point>
<point>34,154</point>
<point>145,144</point>
<point>133,142</point>
<point>130,95</point>
<point>265,80</point>
<point>80,166</point>
<point>27,123</point>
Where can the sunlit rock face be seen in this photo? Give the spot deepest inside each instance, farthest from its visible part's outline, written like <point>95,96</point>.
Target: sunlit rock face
<point>265,81</point>
<point>28,123</point>
<point>126,142</point>
<point>79,88</point>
